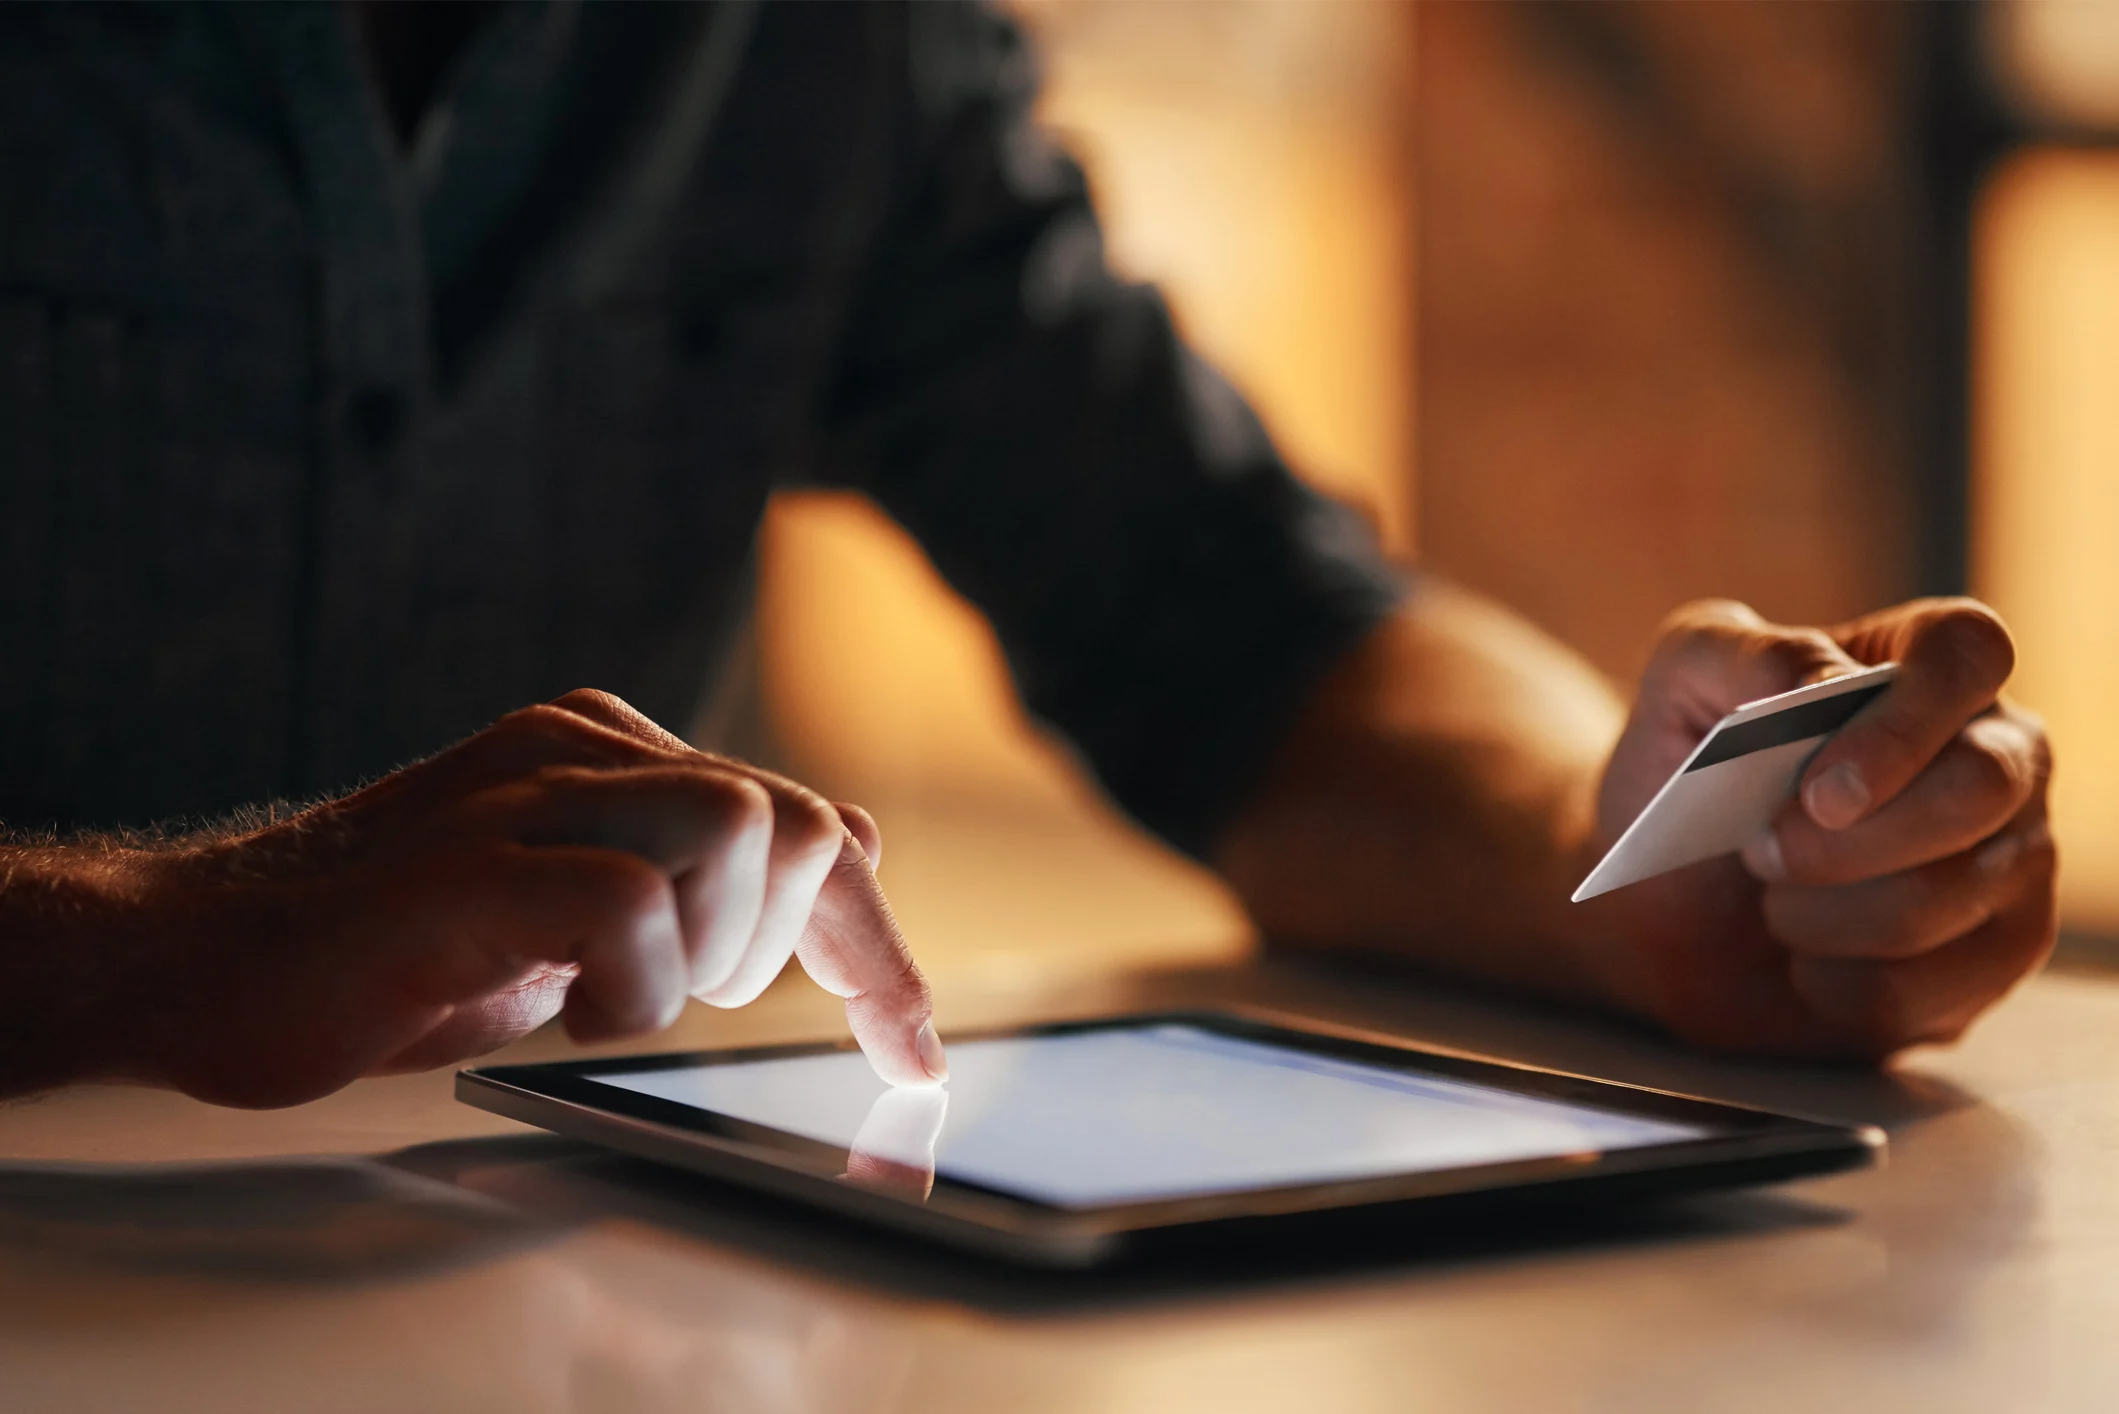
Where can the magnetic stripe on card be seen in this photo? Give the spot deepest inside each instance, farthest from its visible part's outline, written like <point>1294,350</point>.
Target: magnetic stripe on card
<point>1807,719</point>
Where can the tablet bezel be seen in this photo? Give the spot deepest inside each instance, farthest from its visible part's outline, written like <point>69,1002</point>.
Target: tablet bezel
<point>1743,1145</point>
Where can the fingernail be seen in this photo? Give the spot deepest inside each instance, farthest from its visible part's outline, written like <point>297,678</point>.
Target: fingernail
<point>931,1052</point>
<point>1763,858</point>
<point>1837,798</point>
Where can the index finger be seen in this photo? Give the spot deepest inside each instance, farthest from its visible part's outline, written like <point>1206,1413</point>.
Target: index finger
<point>852,947</point>
<point>1953,656</point>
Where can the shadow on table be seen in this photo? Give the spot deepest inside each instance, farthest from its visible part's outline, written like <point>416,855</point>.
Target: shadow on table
<point>325,1221</point>
<point>438,1207</point>
<point>590,1184</point>
<point>576,1184</point>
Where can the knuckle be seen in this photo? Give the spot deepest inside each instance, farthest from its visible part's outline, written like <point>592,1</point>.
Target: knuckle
<point>1729,641</point>
<point>2029,719</point>
<point>914,998</point>
<point>808,822</point>
<point>587,702</point>
<point>540,719</point>
<point>903,994</point>
<point>1711,616</point>
<point>1986,782</point>
<point>862,826</point>
<point>1794,653</point>
<point>749,805</point>
<point>905,983</point>
<point>1705,626</point>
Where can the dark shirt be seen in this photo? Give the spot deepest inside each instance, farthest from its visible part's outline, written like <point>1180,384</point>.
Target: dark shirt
<point>319,451</point>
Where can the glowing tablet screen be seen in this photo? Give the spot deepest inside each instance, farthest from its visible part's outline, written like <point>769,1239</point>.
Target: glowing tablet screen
<point>1099,1117</point>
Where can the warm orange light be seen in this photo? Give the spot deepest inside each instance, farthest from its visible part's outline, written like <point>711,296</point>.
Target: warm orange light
<point>1251,160</point>
<point>1247,159</point>
<point>2046,488</point>
<point>2058,60</point>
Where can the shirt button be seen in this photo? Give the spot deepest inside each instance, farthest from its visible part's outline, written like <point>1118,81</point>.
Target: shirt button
<point>375,420</point>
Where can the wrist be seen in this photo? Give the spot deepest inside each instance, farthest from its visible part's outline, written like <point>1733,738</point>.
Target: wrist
<point>75,936</point>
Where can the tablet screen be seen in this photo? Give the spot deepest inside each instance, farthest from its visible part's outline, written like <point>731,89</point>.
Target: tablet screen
<point>1094,1118</point>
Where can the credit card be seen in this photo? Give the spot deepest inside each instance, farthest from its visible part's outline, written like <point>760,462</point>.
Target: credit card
<point>1735,781</point>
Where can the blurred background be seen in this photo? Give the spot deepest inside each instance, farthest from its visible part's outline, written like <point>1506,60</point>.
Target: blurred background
<point>1596,306</point>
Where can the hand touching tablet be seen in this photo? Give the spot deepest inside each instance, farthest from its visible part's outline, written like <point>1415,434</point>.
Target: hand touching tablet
<point>574,858</point>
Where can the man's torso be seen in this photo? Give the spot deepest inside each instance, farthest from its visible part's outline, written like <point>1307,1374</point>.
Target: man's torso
<point>313,459</point>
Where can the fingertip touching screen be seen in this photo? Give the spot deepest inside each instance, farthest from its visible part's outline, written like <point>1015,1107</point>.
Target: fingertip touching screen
<point>1101,1117</point>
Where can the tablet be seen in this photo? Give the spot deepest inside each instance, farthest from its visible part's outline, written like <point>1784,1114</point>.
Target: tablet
<point>1065,1144</point>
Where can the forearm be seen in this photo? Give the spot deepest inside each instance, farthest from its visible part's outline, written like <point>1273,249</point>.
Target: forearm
<point>70,917</point>
<point>1436,801</point>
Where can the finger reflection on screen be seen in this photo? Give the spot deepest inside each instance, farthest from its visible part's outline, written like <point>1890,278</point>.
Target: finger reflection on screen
<point>894,1148</point>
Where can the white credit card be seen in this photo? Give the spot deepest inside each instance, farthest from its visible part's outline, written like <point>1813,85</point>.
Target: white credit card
<point>1735,781</point>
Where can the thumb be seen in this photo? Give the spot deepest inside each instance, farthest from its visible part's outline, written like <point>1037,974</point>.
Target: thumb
<point>1715,655</point>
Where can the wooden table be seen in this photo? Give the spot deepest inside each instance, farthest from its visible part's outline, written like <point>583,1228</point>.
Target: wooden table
<point>421,1255</point>
<point>387,1248</point>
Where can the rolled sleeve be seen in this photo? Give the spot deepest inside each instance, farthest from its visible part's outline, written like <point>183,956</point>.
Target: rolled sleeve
<point>1167,593</point>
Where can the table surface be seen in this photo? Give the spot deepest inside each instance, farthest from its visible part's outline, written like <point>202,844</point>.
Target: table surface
<point>388,1248</point>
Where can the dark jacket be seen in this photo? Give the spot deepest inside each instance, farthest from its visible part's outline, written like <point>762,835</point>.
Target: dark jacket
<point>316,456</point>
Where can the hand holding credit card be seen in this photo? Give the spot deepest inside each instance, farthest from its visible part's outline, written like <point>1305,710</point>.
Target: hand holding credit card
<point>1735,781</point>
